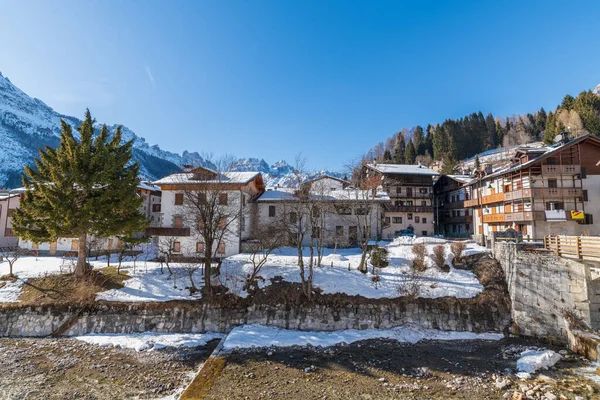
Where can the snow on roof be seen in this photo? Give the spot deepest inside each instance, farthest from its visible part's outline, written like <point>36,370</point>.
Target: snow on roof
<point>461,178</point>
<point>225,178</point>
<point>327,176</point>
<point>402,169</point>
<point>332,195</point>
<point>148,186</point>
<point>550,151</point>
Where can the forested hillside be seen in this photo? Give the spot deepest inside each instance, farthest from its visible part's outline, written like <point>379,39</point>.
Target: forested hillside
<point>457,139</point>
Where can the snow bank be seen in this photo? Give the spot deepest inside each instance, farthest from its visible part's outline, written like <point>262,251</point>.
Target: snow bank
<point>248,336</point>
<point>532,360</point>
<point>150,285</point>
<point>150,340</point>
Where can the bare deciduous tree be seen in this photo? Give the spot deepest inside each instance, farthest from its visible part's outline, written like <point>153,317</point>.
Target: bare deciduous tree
<point>166,250</point>
<point>267,238</point>
<point>11,254</point>
<point>213,211</point>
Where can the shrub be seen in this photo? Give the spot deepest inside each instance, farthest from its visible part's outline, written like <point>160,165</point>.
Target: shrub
<point>411,286</point>
<point>379,257</point>
<point>457,249</point>
<point>439,255</point>
<point>419,261</point>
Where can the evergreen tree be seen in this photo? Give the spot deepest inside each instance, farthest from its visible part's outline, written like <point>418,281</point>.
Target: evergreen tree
<point>492,133</point>
<point>387,155</point>
<point>477,163</point>
<point>410,154</point>
<point>587,105</point>
<point>439,142</point>
<point>419,140</point>
<point>449,164</point>
<point>567,102</point>
<point>399,149</point>
<point>550,131</point>
<point>86,186</point>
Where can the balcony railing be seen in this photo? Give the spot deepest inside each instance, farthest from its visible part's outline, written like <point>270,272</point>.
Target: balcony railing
<point>471,203</point>
<point>557,193</point>
<point>493,218</point>
<point>561,169</point>
<point>493,198</point>
<point>413,195</point>
<point>454,204</point>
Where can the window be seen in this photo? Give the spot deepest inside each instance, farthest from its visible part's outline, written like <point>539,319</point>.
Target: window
<point>361,211</point>
<point>339,231</point>
<point>398,189</point>
<point>199,247</point>
<point>201,198</point>
<point>468,227</point>
<point>387,220</point>
<point>423,233</point>
<point>223,199</point>
<point>588,220</point>
<point>271,211</point>
<point>316,232</point>
<point>424,220</point>
<point>417,219</point>
<point>222,222</point>
<point>344,210</point>
<point>221,248</point>
<point>423,203</point>
<point>397,220</point>
<point>423,190</point>
<point>585,195</point>
<point>409,216</point>
<point>178,221</point>
<point>551,161</point>
<point>409,203</point>
<point>75,244</point>
<point>293,218</point>
<point>177,247</point>
<point>155,207</point>
<point>243,223</point>
<point>554,205</point>
<point>35,246</point>
<point>552,183</point>
<point>583,173</point>
<point>178,199</point>
<point>243,201</point>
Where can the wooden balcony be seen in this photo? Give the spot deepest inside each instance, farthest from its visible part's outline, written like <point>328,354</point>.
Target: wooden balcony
<point>525,216</point>
<point>493,218</point>
<point>493,198</point>
<point>412,209</point>
<point>162,231</point>
<point>413,195</point>
<point>561,169</point>
<point>557,193</point>
<point>454,205</point>
<point>470,203</point>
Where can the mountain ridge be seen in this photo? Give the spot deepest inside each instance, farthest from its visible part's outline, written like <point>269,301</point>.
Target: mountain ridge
<point>27,124</point>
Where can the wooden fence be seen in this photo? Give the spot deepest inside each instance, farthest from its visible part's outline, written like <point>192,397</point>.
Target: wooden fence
<point>574,246</point>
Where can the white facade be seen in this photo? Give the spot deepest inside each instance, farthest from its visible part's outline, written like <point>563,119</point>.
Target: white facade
<point>8,202</point>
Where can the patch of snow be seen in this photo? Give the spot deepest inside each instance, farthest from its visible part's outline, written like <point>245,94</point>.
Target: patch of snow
<point>248,336</point>
<point>150,340</point>
<point>533,360</point>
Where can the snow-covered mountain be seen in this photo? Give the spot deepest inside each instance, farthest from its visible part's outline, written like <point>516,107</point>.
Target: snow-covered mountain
<point>597,90</point>
<point>27,124</point>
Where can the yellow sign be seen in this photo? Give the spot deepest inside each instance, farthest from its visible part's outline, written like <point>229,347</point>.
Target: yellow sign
<point>577,214</point>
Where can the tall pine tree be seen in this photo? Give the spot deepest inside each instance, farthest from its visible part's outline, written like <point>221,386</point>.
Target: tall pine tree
<point>86,186</point>
<point>400,149</point>
<point>410,154</point>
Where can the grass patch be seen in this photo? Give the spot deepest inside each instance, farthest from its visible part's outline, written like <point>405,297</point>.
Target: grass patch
<point>8,278</point>
<point>65,288</point>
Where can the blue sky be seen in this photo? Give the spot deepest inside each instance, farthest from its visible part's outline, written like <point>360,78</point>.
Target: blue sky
<point>271,79</point>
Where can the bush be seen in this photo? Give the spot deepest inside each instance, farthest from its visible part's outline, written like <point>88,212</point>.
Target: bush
<point>379,257</point>
<point>419,262</point>
<point>457,249</point>
<point>439,255</point>
<point>411,286</point>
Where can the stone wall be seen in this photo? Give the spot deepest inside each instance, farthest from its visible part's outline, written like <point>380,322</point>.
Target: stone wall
<point>445,314</point>
<point>542,285</point>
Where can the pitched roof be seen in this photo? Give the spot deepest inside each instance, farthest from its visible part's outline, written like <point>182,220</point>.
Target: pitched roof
<point>550,152</point>
<point>223,178</point>
<point>402,169</point>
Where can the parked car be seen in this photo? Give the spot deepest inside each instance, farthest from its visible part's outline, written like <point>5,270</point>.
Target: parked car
<point>405,232</point>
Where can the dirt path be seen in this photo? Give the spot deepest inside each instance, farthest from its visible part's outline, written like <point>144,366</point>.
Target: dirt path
<point>71,369</point>
<point>383,369</point>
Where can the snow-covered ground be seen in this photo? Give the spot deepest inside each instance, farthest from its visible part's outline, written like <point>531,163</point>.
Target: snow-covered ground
<point>338,274</point>
<point>150,340</point>
<point>533,360</point>
<point>248,336</point>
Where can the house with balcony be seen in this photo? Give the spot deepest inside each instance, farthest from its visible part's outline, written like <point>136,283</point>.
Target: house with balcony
<point>543,191</point>
<point>233,190</point>
<point>452,218</point>
<point>410,189</point>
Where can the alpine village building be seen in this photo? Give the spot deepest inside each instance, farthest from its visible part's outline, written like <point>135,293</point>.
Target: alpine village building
<point>410,189</point>
<point>544,191</point>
